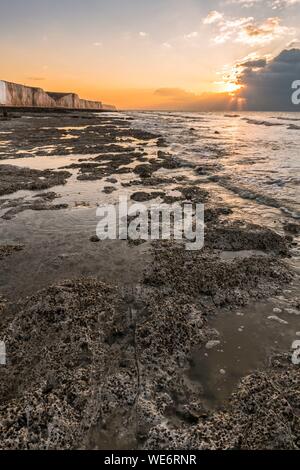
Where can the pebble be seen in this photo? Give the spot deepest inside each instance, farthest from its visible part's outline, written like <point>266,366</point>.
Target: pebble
<point>222,372</point>
<point>277,310</point>
<point>279,320</point>
<point>292,311</point>
<point>94,239</point>
<point>212,344</point>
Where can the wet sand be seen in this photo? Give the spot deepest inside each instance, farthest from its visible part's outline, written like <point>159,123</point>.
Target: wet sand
<point>121,345</point>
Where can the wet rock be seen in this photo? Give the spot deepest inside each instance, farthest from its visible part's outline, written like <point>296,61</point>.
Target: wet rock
<point>8,250</point>
<point>79,337</point>
<point>57,356</point>
<point>95,239</point>
<point>292,228</point>
<point>13,179</point>
<point>239,236</point>
<point>292,311</point>
<point>208,168</point>
<point>3,302</point>
<point>108,164</point>
<point>155,181</point>
<point>212,344</point>
<point>109,189</point>
<point>277,319</point>
<point>112,180</point>
<point>193,193</point>
<point>144,197</point>
<point>201,273</point>
<point>144,171</point>
<point>49,196</point>
<point>212,214</point>
<point>161,142</point>
<point>141,135</point>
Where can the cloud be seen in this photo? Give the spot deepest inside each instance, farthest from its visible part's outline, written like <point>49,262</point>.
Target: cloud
<point>269,87</point>
<point>274,4</point>
<point>231,29</point>
<point>97,44</point>
<point>167,45</point>
<point>192,35</point>
<point>256,63</point>
<point>244,3</point>
<point>294,43</point>
<point>246,30</point>
<point>213,17</point>
<point>142,34</point>
<point>278,4</point>
<point>263,33</point>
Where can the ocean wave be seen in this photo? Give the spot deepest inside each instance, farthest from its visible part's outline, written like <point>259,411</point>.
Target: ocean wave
<point>251,194</point>
<point>262,123</point>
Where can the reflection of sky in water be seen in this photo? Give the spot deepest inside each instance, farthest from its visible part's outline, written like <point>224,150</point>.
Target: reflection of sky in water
<point>254,155</point>
<point>258,152</point>
<point>247,336</point>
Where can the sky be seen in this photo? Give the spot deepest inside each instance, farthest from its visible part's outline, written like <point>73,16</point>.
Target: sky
<point>158,54</point>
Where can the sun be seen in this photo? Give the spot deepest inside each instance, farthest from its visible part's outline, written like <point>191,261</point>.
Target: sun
<point>230,87</point>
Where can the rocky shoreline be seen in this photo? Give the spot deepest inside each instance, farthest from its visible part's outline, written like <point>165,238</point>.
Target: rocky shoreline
<point>97,363</point>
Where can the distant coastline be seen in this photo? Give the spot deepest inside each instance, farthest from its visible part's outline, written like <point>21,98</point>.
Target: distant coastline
<point>17,95</point>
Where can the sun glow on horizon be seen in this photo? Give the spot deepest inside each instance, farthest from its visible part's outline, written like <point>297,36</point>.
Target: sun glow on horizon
<point>228,87</point>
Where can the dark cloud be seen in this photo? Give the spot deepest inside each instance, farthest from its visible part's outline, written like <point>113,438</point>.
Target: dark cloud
<point>259,63</point>
<point>266,86</point>
<point>269,87</point>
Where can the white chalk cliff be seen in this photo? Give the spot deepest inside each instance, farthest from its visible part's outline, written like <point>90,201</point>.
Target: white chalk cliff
<point>13,94</point>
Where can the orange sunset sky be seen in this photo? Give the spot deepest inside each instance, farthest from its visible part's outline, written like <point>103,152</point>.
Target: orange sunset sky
<point>138,54</point>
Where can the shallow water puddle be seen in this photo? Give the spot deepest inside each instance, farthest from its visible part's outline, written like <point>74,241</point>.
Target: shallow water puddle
<point>58,247</point>
<point>246,338</point>
<point>46,163</point>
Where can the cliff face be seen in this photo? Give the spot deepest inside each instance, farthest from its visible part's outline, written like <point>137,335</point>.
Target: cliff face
<point>108,107</point>
<point>12,94</point>
<point>71,100</point>
<point>65,100</point>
